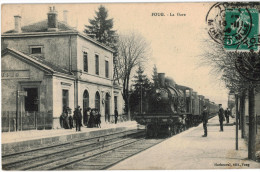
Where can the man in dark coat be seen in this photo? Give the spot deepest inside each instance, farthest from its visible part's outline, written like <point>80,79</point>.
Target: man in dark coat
<point>221,117</point>
<point>227,115</point>
<point>70,121</point>
<point>75,114</point>
<point>205,120</point>
<point>78,118</point>
<point>116,115</point>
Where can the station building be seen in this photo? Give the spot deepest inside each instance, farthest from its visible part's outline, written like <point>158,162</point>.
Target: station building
<point>49,65</point>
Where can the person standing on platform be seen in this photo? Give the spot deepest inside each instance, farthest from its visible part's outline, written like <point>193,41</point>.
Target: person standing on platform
<point>221,117</point>
<point>91,121</point>
<point>116,115</point>
<point>85,116</point>
<point>70,118</point>
<point>205,120</point>
<point>70,121</point>
<point>98,118</point>
<point>78,118</point>
<point>74,116</point>
<point>227,115</point>
<point>88,114</point>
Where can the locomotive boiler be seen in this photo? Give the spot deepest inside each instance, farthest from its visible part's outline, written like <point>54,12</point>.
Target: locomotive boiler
<point>170,108</point>
<point>164,109</point>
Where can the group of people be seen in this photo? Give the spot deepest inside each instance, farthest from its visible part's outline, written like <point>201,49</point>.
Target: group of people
<point>91,118</point>
<point>66,120</point>
<point>222,114</point>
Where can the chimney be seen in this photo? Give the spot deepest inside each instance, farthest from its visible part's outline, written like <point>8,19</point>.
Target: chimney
<point>17,24</point>
<point>52,19</point>
<point>161,77</point>
<point>65,16</point>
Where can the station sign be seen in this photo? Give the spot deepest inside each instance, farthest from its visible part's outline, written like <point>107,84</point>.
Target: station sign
<point>12,74</point>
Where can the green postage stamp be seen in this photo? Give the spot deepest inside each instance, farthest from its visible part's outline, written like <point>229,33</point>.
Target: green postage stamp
<point>241,29</point>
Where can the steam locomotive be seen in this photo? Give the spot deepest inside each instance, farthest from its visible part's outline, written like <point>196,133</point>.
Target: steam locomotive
<point>172,108</point>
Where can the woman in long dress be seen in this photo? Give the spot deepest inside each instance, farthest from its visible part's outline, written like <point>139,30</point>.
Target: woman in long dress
<point>91,121</point>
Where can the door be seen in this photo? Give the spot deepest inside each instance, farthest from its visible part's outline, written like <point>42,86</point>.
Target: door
<point>31,109</point>
<point>31,101</point>
<point>85,106</point>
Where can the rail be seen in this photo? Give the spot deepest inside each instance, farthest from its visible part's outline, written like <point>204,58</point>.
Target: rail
<point>46,157</point>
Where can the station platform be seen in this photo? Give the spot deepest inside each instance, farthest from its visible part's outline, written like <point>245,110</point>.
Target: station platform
<point>189,150</point>
<point>22,140</point>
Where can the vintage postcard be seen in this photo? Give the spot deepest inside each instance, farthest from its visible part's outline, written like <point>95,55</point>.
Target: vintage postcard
<point>130,86</point>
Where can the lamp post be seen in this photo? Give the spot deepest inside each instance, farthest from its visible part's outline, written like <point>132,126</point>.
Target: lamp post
<point>232,93</point>
<point>236,96</point>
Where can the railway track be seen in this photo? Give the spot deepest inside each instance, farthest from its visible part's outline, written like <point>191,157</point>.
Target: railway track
<point>92,153</point>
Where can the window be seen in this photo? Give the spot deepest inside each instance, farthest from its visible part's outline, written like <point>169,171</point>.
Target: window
<point>107,68</point>
<point>36,49</point>
<point>115,101</point>
<point>65,98</point>
<point>85,100</point>
<point>97,64</point>
<point>97,101</point>
<point>85,59</point>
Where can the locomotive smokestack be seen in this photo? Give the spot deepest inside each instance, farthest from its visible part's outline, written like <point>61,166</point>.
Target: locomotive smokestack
<point>161,77</point>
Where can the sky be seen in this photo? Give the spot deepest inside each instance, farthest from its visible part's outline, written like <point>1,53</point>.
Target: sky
<point>175,41</point>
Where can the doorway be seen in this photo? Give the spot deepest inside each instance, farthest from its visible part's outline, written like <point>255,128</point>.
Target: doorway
<point>107,107</point>
<point>31,101</point>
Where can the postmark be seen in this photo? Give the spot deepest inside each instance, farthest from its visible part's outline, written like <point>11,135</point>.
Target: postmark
<point>248,59</point>
<point>236,28</point>
<point>228,26</point>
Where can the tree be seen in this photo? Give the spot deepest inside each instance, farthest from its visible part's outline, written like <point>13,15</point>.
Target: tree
<point>224,64</point>
<point>141,88</point>
<point>132,50</point>
<point>102,27</point>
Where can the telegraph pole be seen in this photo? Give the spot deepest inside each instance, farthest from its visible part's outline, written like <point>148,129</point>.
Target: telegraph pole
<point>236,121</point>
